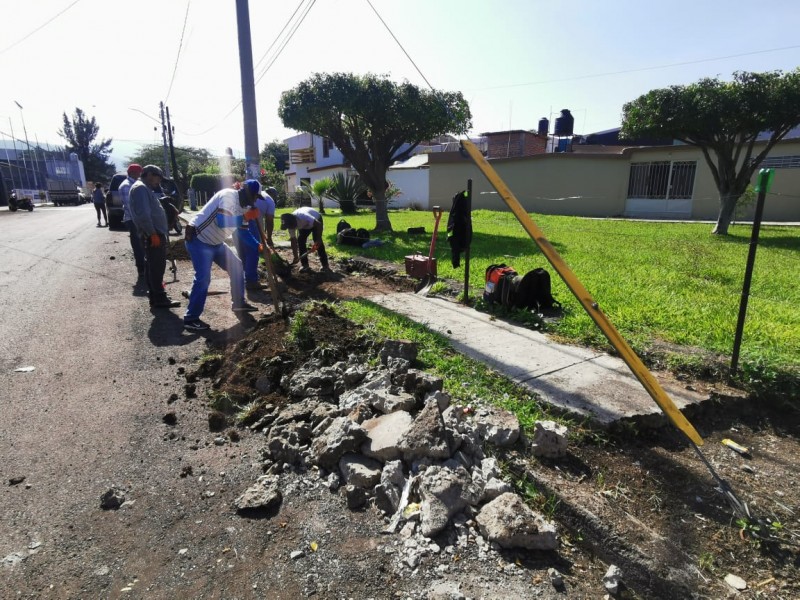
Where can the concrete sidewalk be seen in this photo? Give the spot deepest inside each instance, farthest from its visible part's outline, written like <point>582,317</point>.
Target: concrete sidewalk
<point>579,380</point>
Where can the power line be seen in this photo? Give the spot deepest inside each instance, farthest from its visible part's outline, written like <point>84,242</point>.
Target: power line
<point>22,39</point>
<point>271,62</point>
<point>180,46</point>
<point>280,33</point>
<point>677,64</point>
<point>401,46</point>
<point>286,40</point>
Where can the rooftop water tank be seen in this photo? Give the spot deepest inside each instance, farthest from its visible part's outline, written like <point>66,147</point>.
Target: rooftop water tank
<point>564,124</point>
<point>544,126</point>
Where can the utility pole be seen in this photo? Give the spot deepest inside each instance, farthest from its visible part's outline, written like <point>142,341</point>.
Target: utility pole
<point>172,154</point>
<point>248,90</point>
<point>25,130</point>
<point>8,160</point>
<point>164,139</point>
<point>16,159</point>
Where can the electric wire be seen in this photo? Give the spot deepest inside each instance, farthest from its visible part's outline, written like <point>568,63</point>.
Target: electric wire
<point>50,20</point>
<point>280,50</point>
<point>286,41</point>
<point>637,70</point>
<point>277,37</point>
<point>394,37</point>
<point>180,46</point>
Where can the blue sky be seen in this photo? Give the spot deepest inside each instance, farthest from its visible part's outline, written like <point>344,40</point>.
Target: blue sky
<point>515,61</point>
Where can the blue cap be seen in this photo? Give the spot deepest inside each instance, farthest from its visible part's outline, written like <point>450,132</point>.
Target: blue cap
<point>253,186</point>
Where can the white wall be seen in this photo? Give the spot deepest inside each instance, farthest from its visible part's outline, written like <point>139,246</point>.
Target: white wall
<point>414,187</point>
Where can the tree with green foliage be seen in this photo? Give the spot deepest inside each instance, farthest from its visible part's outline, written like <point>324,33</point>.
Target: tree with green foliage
<point>279,153</point>
<point>80,133</point>
<point>372,121</point>
<point>191,161</point>
<point>723,119</point>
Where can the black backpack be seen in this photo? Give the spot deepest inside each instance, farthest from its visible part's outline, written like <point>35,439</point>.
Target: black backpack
<point>342,225</point>
<point>352,237</point>
<point>533,292</point>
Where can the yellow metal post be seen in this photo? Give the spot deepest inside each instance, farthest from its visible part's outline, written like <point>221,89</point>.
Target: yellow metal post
<point>635,364</point>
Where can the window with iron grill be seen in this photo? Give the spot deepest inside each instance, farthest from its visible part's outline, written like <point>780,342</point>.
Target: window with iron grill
<point>660,180</point>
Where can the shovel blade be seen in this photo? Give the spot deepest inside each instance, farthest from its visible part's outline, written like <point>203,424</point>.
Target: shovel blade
<point>424,287</point>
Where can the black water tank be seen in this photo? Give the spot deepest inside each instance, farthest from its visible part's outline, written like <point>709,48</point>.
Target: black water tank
<point>544,126</point>
<point>564,123</point>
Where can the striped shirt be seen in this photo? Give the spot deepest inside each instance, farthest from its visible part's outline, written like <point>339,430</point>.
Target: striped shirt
<point>224,202</point>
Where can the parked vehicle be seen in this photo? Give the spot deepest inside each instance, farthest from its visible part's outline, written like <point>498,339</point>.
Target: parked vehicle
<point>114,201</point>
<point>63,193</point>
<point>15,203</point>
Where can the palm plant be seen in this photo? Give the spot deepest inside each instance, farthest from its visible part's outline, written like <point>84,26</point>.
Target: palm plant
<point>318,190</point>
<point>345,189</point>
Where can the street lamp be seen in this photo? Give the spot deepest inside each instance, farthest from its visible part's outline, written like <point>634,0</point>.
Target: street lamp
<point>24,129</point>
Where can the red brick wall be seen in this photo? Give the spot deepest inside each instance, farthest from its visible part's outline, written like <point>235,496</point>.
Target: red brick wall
<point>515,143</point>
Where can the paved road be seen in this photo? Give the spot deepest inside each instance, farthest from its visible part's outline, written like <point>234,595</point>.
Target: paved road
<point>89,415</point>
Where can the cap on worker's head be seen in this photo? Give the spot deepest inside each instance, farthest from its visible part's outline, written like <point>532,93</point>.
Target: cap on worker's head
<point>134,170</point>
<point>288,221</point>
<point>253,186</point>
<point>152,170</point>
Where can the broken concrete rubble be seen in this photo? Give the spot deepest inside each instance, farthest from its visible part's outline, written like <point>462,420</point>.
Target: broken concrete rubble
<point>390,436</point>
<point>508,521</point>
<point>263,494</point>
<point>549,439</point>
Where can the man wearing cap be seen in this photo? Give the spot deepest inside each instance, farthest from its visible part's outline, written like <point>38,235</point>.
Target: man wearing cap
<point>151,222</point>
<point>205,241</point>
<point>309,222</point>
<point>249,253</point>
<point>134,172</point>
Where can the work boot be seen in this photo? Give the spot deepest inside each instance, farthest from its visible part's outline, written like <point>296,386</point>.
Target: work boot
<point>254,286</point>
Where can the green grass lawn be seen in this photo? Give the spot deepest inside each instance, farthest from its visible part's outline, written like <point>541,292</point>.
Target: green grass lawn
<point>670,282</point>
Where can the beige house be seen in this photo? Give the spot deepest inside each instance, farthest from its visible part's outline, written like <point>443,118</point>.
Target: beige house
<point>612,181</point>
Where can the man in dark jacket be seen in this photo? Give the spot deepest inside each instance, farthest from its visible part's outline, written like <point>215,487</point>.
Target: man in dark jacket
<point>151,223</point>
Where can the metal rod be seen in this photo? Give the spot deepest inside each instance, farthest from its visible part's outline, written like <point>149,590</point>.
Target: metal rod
<point>588,303</point>
<point>466,251</point>
<point>748,270</point>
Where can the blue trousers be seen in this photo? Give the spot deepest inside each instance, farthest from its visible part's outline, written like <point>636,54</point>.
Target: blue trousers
<point>202,256</point>
<point>249,257</point>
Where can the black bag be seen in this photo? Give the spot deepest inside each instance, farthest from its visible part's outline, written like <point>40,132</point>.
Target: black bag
<point>499,285</point>
<point>342,225</point>
<point>533,292</point>
<point>352,237</point>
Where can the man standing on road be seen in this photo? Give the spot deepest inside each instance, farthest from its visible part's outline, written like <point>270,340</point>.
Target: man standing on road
<point>205,241</point>
<point>134,172</point>
<point>249,253</point>
<point>151,222</point>
<point>309,222</point>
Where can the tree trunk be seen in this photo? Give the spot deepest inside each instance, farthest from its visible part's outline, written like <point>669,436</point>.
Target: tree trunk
<point>382,222</point>
<point>727,204</point>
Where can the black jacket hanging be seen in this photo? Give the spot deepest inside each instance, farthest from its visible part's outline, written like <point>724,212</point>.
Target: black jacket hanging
<point>459,226</point>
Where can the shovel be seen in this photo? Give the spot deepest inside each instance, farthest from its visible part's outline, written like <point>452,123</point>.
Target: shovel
<point>277,301</point>
<point>430,277</point>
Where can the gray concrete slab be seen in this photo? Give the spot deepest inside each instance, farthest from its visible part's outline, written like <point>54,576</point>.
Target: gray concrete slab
<point>588,383</point>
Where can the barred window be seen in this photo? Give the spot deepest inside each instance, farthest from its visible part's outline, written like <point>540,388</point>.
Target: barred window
<point>781,162</point>
<point>660,180</point>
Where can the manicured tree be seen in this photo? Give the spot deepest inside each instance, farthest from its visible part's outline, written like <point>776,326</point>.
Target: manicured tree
<point>723,119</point>
<point>372,121</point>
